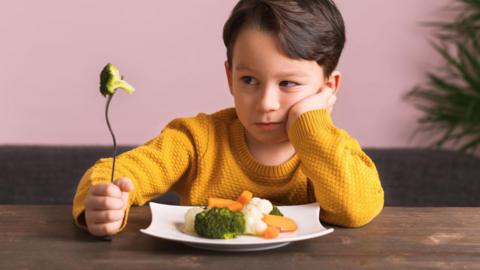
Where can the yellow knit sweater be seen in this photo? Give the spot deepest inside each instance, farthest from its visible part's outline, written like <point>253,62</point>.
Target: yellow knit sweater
<point>207,156</point>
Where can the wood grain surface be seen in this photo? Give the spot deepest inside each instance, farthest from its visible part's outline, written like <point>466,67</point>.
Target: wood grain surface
<point>44,237</point>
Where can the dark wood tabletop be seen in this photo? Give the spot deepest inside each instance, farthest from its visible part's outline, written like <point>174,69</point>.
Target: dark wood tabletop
<point>44,237</point>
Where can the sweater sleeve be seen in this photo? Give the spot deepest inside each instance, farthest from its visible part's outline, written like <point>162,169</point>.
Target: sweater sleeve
<point>153,168</point>
<point>345,180</point>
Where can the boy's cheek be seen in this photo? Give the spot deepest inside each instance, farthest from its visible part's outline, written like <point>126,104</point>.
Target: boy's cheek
<point>298,96</point>
<point>293,101</point>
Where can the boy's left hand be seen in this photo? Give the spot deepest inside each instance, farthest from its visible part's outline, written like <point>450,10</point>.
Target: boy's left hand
<point>324,99</point>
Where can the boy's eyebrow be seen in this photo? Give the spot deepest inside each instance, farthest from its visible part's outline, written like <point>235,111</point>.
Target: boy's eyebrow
<point>281,74</point>
<point>242,67</point>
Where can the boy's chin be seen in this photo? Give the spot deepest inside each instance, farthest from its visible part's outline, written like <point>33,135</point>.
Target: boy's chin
<point>270,138</point>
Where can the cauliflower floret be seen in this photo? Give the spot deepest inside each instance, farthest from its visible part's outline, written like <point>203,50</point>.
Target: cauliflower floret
<point>189,226</point>
<point>254,211</point>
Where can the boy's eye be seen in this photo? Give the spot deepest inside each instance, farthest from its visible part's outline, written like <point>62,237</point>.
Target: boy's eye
<point>288,84</point>
<point>249,80</point>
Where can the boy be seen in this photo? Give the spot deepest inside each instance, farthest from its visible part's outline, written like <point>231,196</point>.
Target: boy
<point>278,142</point>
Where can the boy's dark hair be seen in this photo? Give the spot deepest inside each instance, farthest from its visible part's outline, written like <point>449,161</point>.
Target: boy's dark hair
<point>306,29</point>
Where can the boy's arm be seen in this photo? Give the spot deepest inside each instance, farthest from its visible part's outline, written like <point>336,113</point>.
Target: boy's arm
<point>153,168</point>
<point>345,180</point>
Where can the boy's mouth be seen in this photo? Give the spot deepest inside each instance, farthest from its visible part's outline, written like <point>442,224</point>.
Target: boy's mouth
<point>268,125</point>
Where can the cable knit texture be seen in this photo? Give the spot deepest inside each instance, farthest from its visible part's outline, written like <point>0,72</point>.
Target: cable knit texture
<point>207,156</point>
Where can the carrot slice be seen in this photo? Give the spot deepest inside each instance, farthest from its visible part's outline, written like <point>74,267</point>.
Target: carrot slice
<point>245,197</point>
<point>271,232</point>
<point>235,206</point>
<point>220,203</point>
<point>285,224</point>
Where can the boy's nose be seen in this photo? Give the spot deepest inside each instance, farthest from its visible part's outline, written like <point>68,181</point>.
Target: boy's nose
<point>268,100</point>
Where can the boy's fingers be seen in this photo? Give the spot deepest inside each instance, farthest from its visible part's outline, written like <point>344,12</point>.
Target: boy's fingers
<point>104,229</point>
<point>105,190</point>
<point>104,203</point>
<point>104,216</point>
<point>125,198</point>
<point>125,184</point>
<point>332,100</point>
<point>330,109</point>
<point>327,91</point>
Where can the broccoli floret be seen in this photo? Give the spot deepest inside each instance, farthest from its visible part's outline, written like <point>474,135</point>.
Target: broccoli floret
<point>220,223</point>
<point>276,212</point>
<point>110,80</point>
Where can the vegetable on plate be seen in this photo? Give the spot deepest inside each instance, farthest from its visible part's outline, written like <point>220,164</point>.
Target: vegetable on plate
<point>228,219</point>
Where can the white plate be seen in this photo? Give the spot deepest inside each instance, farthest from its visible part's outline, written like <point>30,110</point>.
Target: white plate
<point>167,223</point>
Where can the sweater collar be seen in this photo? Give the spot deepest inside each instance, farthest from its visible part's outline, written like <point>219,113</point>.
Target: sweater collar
<point>253,167</point>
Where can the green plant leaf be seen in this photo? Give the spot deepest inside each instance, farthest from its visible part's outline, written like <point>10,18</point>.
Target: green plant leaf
<point>456,63</point>
<point>471,146</point>
<point>450,98</point>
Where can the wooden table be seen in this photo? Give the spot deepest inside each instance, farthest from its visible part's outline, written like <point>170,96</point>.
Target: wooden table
<point>44,237</point>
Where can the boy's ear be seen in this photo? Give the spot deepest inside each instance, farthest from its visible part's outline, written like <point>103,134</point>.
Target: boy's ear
<point>334,81</point>
<point>228,72</point>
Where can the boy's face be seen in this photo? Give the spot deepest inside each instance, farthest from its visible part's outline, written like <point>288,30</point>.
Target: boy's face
<point>266,83</point>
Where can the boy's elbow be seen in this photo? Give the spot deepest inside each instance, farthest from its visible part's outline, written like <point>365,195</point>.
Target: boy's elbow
<point>360,215</point>
<point>355,215</point>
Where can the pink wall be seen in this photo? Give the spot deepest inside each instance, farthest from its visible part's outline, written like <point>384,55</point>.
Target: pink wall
<point>51,53</point>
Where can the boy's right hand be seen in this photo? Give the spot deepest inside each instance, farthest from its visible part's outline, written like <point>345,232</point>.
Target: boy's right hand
<point>105,206</point>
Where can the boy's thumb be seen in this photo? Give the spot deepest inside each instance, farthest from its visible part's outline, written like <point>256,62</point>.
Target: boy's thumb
<point>125,184</point>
